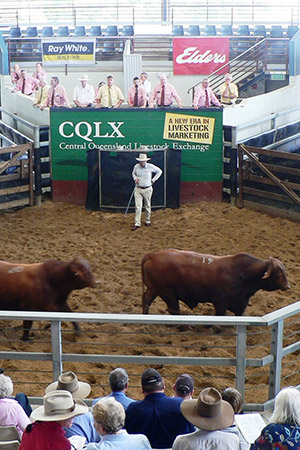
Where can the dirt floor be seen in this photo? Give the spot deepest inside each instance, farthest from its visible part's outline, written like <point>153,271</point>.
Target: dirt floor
<point>62,231</point>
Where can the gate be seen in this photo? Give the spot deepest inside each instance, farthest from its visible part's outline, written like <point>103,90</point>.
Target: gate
<point>269,178</point>
<point>16,176</point>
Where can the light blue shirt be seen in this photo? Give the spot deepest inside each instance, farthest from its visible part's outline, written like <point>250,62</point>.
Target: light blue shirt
<point>83,425</point>
<point>121,441</point>
<point>144,174</point>
<point>120,396</point>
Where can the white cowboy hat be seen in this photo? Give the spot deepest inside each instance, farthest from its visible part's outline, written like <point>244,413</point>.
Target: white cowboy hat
<point>68,381</point>
<point>209,411</point>
<point>59,405</point>
<point>142,157</point>
<point>84,77</point>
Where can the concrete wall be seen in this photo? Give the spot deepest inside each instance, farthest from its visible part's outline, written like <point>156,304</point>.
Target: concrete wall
<point>252,109</point>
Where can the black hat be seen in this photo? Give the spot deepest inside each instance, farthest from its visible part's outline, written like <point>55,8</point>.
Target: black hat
<point>151,377</point>
<point>184,384</point>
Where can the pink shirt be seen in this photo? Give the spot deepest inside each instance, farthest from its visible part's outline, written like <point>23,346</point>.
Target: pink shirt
<point>30,84</point>
<point>15,76</point>
<point>200,97</point>
<point>39,75</point>
<point>12,414</point>
<point>170,95</point>
<point>142,96</point>
<point>60,97</point>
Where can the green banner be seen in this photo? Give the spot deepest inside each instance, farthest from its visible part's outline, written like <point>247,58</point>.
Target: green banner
<point>198,134</point>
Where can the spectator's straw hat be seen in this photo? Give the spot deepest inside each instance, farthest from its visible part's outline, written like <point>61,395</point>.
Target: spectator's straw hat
<point>68,381</point>
<point>209,411</point>
<point>58,405</point>
<point>84,77</point>
<point>142,157</point>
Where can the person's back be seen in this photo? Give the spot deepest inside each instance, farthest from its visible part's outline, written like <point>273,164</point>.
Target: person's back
<point>157,416</point>
<point>207,440</point>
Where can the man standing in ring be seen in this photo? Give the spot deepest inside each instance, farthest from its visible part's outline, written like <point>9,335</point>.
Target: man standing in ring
<point>142,175</point>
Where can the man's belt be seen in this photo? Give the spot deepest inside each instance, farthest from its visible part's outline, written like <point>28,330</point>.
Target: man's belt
<point>144,187</point>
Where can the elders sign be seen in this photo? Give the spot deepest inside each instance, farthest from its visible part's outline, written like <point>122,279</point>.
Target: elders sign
<point>199,56</point>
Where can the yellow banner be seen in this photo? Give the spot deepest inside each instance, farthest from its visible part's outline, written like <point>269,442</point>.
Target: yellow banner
<point>181,127</point>
<point>71,57</point>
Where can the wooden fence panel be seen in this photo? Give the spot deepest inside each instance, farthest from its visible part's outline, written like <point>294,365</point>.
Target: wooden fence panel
<point>269,178</point>
<point>16,176</point>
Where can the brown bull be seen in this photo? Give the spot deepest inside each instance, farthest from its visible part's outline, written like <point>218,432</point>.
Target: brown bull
<point>42,286</point>
<point>226,281</point>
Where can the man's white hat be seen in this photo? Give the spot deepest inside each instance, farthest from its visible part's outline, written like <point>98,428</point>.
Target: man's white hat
<point>142,157</point>
<point>59,405</point>
<point>84,77</point>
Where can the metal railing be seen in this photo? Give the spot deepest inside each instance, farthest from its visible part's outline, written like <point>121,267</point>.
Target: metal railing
<point>253,58</point>
<point>256,354</point>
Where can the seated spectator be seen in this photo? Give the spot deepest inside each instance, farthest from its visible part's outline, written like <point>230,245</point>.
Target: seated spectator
<point>16,74</point>
<point>11,412</point>
<point>184,386</point>
<point>82,425</point>
<point>84,95</point>
<point>157,416</point>
<point>137,96</point>
<point>57,412</point>
<point>57,96</point>
<point>42,93</point>
<point>234,397</point>
<point>118,381</point>
<point>25,84</point>
<point>211,415</point>
<point>228,90</point>
<point>109,417</point>
<point>39,73</point>
<point>283,431</point>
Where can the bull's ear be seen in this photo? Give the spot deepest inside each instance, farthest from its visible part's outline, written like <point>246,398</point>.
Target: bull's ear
<point>268,271</point>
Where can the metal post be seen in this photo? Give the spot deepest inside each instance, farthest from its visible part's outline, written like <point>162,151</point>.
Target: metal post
<point>275,366</point>
<point>241,358</point>
<point>56,341</point>
<point>37,167</point>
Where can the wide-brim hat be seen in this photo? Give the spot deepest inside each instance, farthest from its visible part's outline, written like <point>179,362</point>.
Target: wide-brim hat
<point>59,405</point>
<point>68,381</point>
<point>142,157</point>
<point>209,411</point>
<point>84,77</point>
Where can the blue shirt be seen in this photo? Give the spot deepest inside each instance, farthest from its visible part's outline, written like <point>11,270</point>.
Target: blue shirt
<point>121,441</point>
<point>159,418</point>
<point>120,396</point>
<point>83,425</point>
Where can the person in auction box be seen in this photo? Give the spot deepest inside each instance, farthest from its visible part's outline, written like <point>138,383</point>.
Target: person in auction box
<point>142,175</point>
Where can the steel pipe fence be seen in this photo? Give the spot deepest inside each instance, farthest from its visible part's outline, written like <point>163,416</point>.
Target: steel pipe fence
<point>257,355</point>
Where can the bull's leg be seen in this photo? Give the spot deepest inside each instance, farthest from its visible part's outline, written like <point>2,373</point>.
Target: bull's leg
<point>172,304</point>
<point>220,309</point>
<point>76,326</point>
<point>27,324</point>
<point>148,297</point>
